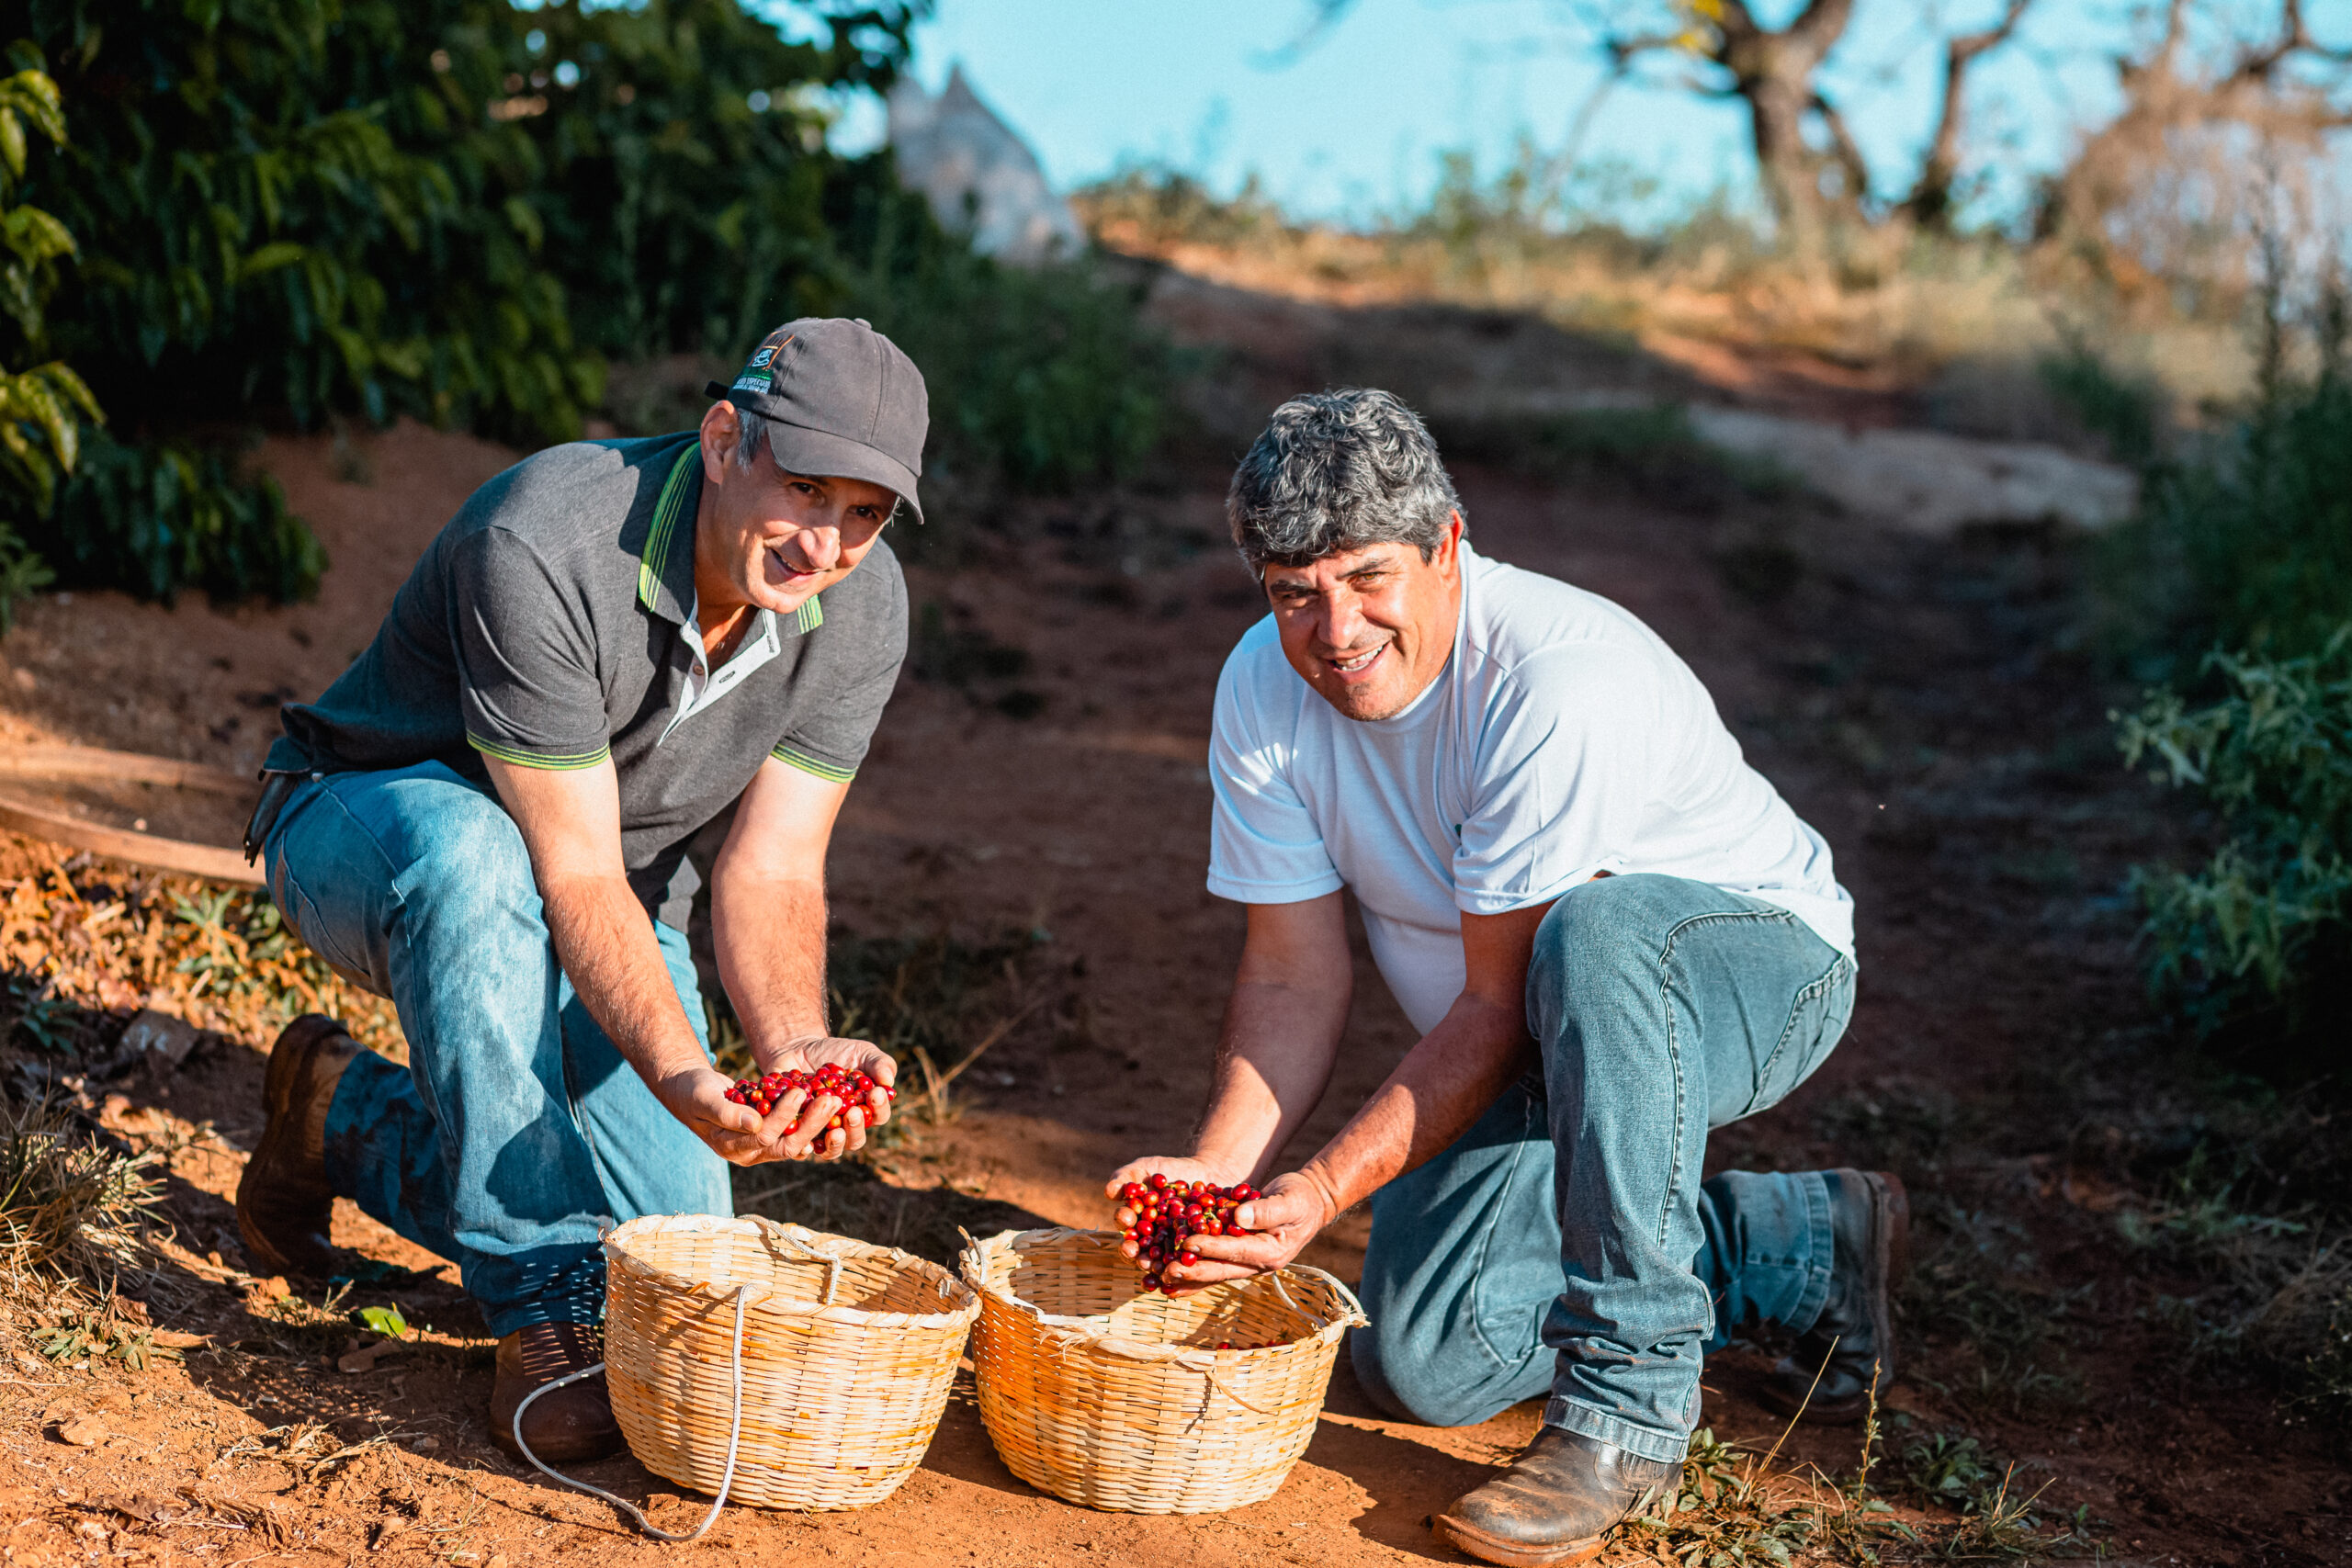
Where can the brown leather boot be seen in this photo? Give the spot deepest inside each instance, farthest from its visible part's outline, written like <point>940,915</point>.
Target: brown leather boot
<point>1850,1351</point>
<point>285,1208</point>
<point>1557,1502</point>
<point>574,1423</point>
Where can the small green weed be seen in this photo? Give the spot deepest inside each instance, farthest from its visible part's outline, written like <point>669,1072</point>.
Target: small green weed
<point>1978,1285</point>
<point>83,1336</point>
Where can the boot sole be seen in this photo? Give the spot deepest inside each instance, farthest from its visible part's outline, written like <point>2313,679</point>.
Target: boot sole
<point>283,1081</point>
<point>1510,1554</point>
<point>1891,1242</point>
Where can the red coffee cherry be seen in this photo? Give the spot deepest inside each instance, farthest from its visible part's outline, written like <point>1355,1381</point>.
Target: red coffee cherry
<point>1160,1218</point>
<point>855,1090</point>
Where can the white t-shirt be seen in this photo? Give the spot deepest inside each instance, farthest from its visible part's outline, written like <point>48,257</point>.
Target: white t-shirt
<point>1562,738</point>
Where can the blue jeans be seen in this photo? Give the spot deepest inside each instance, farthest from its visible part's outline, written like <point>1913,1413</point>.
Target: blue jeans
<point>1564,1244</point>
<point>517,1132</point>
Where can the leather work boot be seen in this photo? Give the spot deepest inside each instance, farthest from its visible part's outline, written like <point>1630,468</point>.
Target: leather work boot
<point>1870,1217</point>
<point>1557,1503</point>
<point>284,1205</point>
<point>569,1425</point>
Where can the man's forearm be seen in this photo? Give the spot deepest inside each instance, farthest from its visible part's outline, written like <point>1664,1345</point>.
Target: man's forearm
<point>769,936</point>
<point>1274,1058</point>
<point>1443,1085</point>
<point>605,944</point>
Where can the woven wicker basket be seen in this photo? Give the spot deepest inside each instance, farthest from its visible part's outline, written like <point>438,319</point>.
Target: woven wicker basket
<point>1104,1394</point>
<point>848,1352</point>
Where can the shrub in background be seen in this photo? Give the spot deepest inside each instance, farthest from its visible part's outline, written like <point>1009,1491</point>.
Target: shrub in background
<point>2258,940</point>
<point>457,209</point>
<point>2245,540</point>
<point>43,404</point>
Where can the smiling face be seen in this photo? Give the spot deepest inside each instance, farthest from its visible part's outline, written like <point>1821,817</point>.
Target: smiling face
<point>1370,628</point>
<point>773,539</point>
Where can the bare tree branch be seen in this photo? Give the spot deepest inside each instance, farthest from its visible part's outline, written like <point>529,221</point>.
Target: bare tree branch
<point>1930,201</point>
<point>1844,151</point>
<point>1322,14</point>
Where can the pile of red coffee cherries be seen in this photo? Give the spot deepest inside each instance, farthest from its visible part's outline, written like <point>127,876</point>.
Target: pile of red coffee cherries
<point>853,1089</point>
<point>1158,1219</point>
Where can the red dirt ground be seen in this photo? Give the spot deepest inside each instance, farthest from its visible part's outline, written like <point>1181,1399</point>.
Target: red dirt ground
<point>1905,696</point>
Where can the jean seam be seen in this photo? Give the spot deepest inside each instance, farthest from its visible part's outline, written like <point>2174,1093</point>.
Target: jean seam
<point>1485,1245</point>
<point>426,1091</point>
<point>1811,992</point>
<point>1673,1043</point>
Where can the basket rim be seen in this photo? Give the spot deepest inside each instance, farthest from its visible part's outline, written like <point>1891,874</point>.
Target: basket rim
<point>972,1263</point>
<point>619,1257</point>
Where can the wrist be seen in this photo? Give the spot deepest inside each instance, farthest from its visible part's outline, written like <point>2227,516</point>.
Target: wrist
<point>1334,1202</point>
<point>1227,1167</point>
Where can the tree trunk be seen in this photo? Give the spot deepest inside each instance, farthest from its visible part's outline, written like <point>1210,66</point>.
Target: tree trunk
<point>1778,97</point>
<point>1774,72</point>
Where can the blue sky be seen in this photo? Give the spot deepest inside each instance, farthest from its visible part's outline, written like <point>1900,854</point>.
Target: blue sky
<point>1355,126</point>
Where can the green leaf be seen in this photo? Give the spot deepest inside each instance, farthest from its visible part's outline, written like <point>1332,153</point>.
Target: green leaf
<point>268,259</point>
<point>384,1320</point>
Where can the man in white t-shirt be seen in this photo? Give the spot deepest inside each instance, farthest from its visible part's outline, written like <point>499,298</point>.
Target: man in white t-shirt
<point>1613,933</point>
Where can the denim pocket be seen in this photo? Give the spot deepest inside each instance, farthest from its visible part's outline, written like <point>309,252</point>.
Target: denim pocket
<point>1818,1020</point>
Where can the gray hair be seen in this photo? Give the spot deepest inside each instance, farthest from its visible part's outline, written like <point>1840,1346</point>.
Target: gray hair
<point>753,439</point>
<point>1336,471</point>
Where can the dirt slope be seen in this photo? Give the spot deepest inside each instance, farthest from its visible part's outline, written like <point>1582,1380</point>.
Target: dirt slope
<point>1904,693</point>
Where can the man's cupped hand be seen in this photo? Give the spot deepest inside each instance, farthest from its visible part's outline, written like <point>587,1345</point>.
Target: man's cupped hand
<point>796,1129</point>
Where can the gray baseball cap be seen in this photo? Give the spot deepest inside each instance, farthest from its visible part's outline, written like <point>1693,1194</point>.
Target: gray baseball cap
<point>843,398</point>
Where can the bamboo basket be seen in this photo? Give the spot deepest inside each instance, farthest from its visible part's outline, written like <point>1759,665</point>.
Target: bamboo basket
<point>848,1352</point>
<point>1111,1397</point>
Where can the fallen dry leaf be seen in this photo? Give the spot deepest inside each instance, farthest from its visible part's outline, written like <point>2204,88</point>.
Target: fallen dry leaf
<point>363,1358</point>
<point>83,1432</point>
<point>179,1339</point>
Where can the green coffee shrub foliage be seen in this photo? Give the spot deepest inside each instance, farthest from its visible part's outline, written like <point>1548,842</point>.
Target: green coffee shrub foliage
<point>162,515</point>
<point>2247,542</point>
<point>459,210</point>
<point>2259,938</point>
<point>42,403</point>
<point>405,205</point>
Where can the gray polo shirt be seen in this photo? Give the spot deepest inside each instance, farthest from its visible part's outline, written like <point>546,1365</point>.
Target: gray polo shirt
<point>544,627</point>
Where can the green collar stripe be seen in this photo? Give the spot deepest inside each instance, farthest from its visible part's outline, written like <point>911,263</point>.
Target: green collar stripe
<point>555,761</point>
<point>665,523</point>
<point>807,765</point>
<point>809,616</point>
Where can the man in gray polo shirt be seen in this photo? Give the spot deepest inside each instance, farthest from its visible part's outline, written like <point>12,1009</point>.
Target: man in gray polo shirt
<point>485,818</point>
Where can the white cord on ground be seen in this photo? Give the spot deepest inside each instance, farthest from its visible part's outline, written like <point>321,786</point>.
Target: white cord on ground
<point>734,1436</point>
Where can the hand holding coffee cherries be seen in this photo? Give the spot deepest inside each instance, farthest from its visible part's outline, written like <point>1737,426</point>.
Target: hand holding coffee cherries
<point>1160,1221</point>
<point>816,1101</point>
<point>1238,1231</point>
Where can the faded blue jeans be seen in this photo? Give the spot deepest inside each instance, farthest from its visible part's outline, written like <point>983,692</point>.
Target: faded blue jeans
<point>517,1131</point>
<point>1564,1244</point>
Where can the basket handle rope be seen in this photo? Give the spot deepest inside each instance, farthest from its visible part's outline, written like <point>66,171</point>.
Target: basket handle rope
<point>734,1436</point>
<point>1226,1389</point>
<point>791,1243</point>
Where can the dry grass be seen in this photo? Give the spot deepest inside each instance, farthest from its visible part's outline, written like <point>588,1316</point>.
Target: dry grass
<point>69,1206</point>
<point>77,932</point>
<point>1963,323</point>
